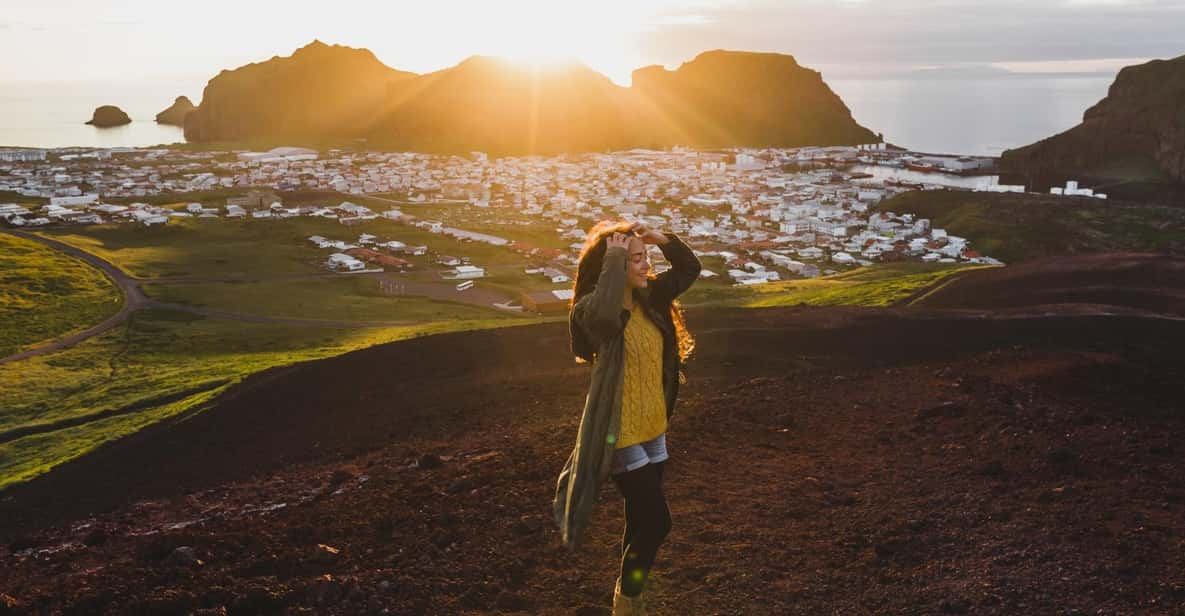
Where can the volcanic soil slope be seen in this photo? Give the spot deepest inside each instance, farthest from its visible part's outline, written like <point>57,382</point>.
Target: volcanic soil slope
<point>940,458</point>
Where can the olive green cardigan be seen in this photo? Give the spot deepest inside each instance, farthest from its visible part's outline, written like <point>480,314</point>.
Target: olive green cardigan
<point>598,321</point>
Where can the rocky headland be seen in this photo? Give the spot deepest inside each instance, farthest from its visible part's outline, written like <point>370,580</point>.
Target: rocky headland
<point>175,114</point>
<point>1136,132</point>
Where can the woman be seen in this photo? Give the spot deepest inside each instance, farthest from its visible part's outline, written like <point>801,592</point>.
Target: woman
<point>628,324</point>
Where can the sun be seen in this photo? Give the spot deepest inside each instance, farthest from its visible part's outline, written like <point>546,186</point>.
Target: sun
<point>549,34</point>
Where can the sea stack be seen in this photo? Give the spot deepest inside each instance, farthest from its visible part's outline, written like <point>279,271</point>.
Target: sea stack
<point>175,114</point>
<point>109,115</point>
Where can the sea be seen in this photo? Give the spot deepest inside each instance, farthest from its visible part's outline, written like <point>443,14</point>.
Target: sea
<point>972,116</point>
<point>54,114</point>
<point>978,116</point>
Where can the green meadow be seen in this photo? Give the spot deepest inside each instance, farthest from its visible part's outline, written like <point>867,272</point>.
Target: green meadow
<point>879,285</point>
<point>343,298</point>
<point>1019,227</point>
<point>158,365</point>
<point>45,294</point>
<point>219,248</point>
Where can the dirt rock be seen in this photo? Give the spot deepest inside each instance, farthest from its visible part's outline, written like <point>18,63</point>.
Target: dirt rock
<point>185,556</point>
<point>95,537</point>
<point>853,508</point>
<point>429,461</point>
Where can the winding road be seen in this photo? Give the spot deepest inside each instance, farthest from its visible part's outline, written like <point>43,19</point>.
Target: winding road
<point>135,299</point>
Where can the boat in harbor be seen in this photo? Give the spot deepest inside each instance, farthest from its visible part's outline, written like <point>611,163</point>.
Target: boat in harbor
<point>896,182</point>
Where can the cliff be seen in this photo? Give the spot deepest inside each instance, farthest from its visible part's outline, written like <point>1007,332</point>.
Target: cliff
<point>175,114</point>
<point>719,99</point>
<point>729,98</point>
<point>319,91</point>
<point>1136,132</point>
<point>107,116</point>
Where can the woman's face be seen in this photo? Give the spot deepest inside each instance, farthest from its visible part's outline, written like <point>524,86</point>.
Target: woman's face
<point>637,264</point>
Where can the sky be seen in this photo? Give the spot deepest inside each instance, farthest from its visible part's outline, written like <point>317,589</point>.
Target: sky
<point>137,40</point>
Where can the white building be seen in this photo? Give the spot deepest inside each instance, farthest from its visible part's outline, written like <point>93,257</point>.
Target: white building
<point>344,262</point>
<point>79,200</point>
<point>467,271</point>
<point>22,156</point>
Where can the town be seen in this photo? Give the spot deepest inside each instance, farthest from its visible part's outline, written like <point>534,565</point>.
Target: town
<point>768,214</point>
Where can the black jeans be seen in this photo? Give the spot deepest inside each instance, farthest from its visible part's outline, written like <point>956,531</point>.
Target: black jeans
<point>647,522</point>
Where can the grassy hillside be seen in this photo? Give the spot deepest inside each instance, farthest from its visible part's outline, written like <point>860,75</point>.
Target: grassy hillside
<point>880,285</point>
<point>213,248</point>
<point>157,365</point>
<point>1018,227</point>
<point>342,299</point>
<point>45,294</point>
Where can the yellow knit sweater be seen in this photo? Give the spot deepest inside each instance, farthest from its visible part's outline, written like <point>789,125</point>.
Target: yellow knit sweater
<point>643,406</point>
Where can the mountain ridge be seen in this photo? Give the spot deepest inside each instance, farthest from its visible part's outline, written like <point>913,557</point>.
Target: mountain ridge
<point>720,98</point>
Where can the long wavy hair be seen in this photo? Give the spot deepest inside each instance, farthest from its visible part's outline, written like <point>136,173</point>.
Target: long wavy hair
<point>592,256</point>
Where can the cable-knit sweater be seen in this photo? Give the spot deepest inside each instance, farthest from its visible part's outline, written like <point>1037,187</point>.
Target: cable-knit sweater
<point>643,407</point>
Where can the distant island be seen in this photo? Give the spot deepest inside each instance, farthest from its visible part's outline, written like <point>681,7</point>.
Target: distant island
<point>175,114</point>
<point>331,92</point>
<point>1136,132</point>
<point>107,116</point>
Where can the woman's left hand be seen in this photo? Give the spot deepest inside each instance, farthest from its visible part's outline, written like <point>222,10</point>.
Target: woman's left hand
<point>648,235</point>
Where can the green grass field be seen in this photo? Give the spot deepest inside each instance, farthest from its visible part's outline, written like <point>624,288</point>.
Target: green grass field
<point>218,248</point>
<point>1018,227</point>
<point>45,294</point>
<point>157,365</point>
<point>346,298</point>
<point>880,285</point>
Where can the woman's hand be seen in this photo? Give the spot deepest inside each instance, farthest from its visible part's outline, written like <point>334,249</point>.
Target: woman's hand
<point>617,239</point>
<point>648,235</point>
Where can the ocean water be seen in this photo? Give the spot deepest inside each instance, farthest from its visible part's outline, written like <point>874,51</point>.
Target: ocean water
<point>982,116</point>
<point>965,116</point>
<point>54,115</point>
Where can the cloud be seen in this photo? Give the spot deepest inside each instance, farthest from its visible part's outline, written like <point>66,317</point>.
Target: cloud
<point>930,32</point>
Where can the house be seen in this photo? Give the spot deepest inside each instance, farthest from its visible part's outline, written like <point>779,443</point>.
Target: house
<point>344,262</point>
<point>466,271</point>
<point>387,261</point>
<point>253,199</point>
<point>555,275</point>
<point>235,211</point>
<point>547,302</point>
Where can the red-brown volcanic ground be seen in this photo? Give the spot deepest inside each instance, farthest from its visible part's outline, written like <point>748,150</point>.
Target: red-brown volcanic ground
<point>1136,281</point>
<point>824,460</point>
